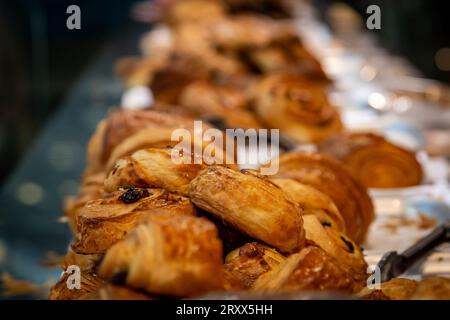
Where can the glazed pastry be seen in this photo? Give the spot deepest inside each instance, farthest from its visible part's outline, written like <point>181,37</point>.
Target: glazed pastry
<point>333,179</point>
<point>313,202</point>
<point>156,168</point>
<point>250,204</point>
<point>197,11</point>
<point>300,109</point>
<point>337,245</point>
<point>225,102</point>
<point>248,31</point>
<point>310,269</point>
<point>395,289</point>
<point>376,162</point>
<point>169,255</point>
<point>250,261</point>
<point>433,288</point>
<point>288,57</point>
<point>103,222</point>
<point>125,126</point>
<point>91,188</point>
<point>86,262</point>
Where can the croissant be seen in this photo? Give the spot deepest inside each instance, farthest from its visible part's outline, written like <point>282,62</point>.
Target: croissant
<point>432,288</point>
<point>313,202</point>
<point>310,269</point>
<point>103,222</point>
<point>169,255</point>
<point>395,289</point>
<point>300,109</point>
<point>334,180</point>
<point>251,204</point>
<point>376,162</point>
<point>250,261</point>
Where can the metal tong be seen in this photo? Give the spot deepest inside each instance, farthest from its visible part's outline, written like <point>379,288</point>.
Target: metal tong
<point>392,264</point>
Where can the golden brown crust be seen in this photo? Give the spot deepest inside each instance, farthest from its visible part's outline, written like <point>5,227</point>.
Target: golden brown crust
<point>337,245</point>
<point>169,255</point>
<point>251,204</point>
<point>376,162</point>
<point>250,261</point>
<point>91,188</point>
<point>226,102</point>
<point>331,178</point>
<point>395,289</point>
<point>299,108</point>
<point>433,288</point>
<point>310,269</point>
<point>313,202</point>
<point>103,222</point>
<point>89,282</point>
<point>153,168</point>
<point>123,124</point>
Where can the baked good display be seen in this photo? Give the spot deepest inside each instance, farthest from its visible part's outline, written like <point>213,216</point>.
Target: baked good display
<point>154,220</point>
<point>376,162</point>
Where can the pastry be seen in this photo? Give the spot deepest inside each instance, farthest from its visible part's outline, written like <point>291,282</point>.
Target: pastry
<point>310,269</point>
<point>103,222</point>
<point>313,202</point>
<point>177,255</point>
<point>250,204</point>
<point>249,262</point>
<point>333,179</point>
<point>376,162</point>
<point>300,109</point>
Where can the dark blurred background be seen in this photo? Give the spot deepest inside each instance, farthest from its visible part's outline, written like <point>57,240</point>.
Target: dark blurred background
<point>40,58</point>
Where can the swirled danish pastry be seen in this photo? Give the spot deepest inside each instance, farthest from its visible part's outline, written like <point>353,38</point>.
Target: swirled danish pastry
<point>376,162</point>
<point>205,99</point>
<point>300,109</point>
<point>251,204</point>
